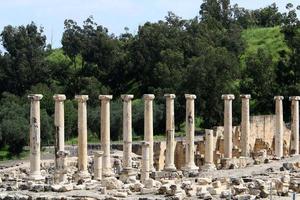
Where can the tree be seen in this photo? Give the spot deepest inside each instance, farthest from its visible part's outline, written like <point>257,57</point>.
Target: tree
<point>24,63</point>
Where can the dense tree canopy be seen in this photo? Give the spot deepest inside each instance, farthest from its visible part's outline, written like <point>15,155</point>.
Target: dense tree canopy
<point>205,55</point>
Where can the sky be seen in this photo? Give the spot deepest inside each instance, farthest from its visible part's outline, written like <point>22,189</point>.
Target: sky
<point>113,14</point>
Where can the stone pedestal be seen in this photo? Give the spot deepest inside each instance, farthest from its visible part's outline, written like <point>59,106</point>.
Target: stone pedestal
<point>59,123</point>
<point>145,171</point>
<point>35,137</point>
<point>170,133</point>
<point>228,125</point>
<point>105,134</point>
<point>98,165</point>
<point>148,125</point>
<point>209,151</point>
<point>60,175</point>
<point>127,171</point>
<point>245,125</point>
<point>295,124</point>
<point>82,137</point>
<point>190,134</point>
<point>279,127</point>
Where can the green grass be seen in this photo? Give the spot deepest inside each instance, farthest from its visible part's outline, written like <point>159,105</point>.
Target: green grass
<point>269,39</point>
<point>5,155</point>
<point>92,138</point>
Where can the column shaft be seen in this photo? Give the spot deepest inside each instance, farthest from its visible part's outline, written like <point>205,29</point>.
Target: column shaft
<point>245,126</point>
<point>148,125</point>
<point>98,165</point>
<point>228,125</point>
<point>170,133</point>
<point>295,124</point>
<point>279,127</point>
<point>127,131</point>
<point>105,134</point>
<point>35,137</point>
<point>209,147</point>
<point>145,172</point>
<point>190,133</point>
<point>82,135</point>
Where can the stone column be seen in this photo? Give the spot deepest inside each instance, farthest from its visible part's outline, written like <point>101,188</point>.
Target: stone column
<point>295,124</point>
<point>209,150</point>
<point>59,123</point>
<point>190,133</point>
<point>82,136</point>
<point>35,137</point>
<point>105,134</point>
<point>170,133</point>
<point>60,175</point>
<point>98,165</point>
<point>145,172</point>
<point>279,127</point>
<point>148,125</point>
<point>245,125</point>
<point>127,136</point>
<point>228,125</point>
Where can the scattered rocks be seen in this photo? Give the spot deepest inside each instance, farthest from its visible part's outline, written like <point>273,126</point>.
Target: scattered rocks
<point>112,183</point>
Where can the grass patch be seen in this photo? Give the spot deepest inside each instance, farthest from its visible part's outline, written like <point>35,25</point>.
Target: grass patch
<point>92,138</point>
<point>5,154</point>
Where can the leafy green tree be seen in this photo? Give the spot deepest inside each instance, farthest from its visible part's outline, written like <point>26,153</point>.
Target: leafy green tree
<point>24,63</point>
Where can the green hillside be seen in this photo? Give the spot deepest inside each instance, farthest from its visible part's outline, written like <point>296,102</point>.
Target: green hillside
<point>269,39</point>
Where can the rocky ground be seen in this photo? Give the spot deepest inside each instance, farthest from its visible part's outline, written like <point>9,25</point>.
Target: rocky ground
<point>268,179</point>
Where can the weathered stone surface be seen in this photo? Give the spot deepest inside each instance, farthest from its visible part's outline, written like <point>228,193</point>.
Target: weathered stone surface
<point>111,183</point>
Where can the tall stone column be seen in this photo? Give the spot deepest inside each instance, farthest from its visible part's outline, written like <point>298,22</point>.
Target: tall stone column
<point>60,175</point>
<point>228,125</point>
<point>279,127</point>
<point>105,134</point>
<point>209,150</point>
<point>170,133</point>
<point>295,124</point>
<point>190,133</point>
<point>35,137</point>
<point>245,125</point>
<point>148,125</point>
<point>82,136</point>
<point>98,165</point>
<point>127,137</point>
<point>145,172</point>
<point>59,122</point>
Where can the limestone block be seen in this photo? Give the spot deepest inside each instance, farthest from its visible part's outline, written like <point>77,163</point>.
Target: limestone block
<point>111,183</point>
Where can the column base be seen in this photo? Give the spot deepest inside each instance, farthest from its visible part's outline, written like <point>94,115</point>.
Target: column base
<point>107,173</point>
<point>85,175</point>
<point>60,177</point>
<point>36,177</point>
<point>190,170</point>
<point>170,168</point>
<point>128,175</point>
<point>208,167</point>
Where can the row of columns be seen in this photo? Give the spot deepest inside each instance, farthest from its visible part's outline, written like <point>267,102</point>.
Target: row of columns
<point>102,161</point>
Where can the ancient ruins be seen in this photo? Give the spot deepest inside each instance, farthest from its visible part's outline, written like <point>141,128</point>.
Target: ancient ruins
<point>256,160</point>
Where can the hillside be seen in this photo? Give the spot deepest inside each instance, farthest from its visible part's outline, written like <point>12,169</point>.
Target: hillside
<point>269,39</point>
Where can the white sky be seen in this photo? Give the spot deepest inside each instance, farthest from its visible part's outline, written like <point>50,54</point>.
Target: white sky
<point>113,14</point>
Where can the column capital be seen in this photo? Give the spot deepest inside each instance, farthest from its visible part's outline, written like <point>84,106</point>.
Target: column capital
<point>228,97</point>
<point>81,98</point>
<point>62,154</point>
<point>105,97</point>
<point>278,98</point>
<point>171,96</point>
<point>127,97</point>
<point>145,143</point>
<point>294,98</point>
<point>245,96</point>
<point>35,97</point>
<point>59,97</point>
<point>98,153</point>
<point>148,96</point>
<point>190,96</point>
